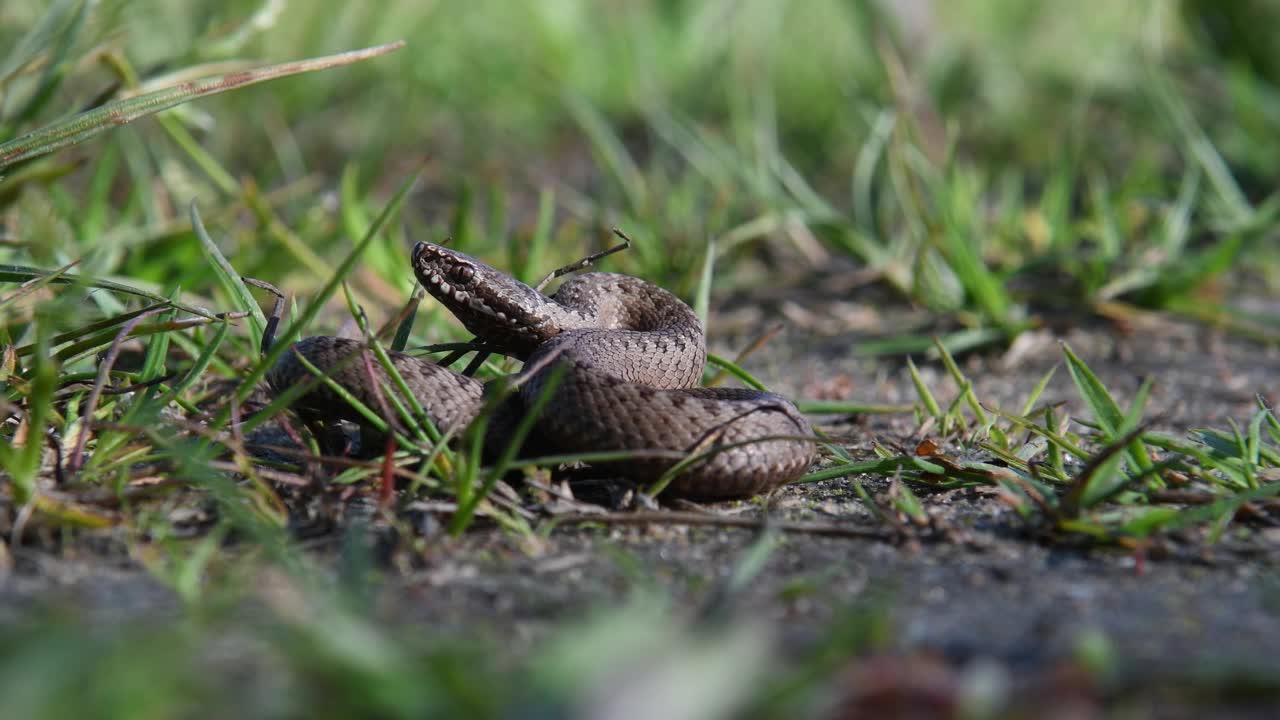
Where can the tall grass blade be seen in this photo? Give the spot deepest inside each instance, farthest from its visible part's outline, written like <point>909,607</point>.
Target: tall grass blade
<point>87,124</point>
<point>226,275</point>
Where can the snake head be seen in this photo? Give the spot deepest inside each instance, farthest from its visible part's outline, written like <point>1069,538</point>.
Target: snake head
<point>502,311</point>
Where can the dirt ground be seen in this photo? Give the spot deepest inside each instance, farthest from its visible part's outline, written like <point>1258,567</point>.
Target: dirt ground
<point>1192,620</point>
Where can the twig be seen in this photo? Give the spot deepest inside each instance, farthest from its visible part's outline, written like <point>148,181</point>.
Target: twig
<point>585,262</point>
<point>76,461</point>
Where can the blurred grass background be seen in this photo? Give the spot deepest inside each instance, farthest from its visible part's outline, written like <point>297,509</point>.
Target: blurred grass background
<point>985,157</point>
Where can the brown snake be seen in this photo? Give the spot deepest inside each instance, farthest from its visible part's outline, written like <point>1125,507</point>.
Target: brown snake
<point>632,353</point>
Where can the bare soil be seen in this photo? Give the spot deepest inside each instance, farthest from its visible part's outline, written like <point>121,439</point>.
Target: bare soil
<point>1184,626</point>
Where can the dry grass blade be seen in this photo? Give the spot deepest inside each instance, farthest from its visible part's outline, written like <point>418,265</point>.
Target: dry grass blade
<point>36,283</point>
<point>1072,500</point>
<point>23,274</point>
<point>85,125</point>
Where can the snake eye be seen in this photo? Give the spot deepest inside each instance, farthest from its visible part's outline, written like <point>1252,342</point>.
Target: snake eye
<point>460,274</point>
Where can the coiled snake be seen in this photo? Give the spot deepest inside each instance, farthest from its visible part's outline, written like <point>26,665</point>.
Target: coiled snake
<point>633,355</point>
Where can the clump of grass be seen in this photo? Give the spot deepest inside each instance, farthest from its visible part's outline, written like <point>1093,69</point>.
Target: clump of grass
<point>1112,479</point>
<point>87,411</point>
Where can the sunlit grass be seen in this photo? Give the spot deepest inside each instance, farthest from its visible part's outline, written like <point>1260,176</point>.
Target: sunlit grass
<point>998,164</point>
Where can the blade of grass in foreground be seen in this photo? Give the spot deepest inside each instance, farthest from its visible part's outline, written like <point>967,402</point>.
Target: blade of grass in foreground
<point>22,274</point>
<point>41,37</point>
<point>85,125</point>
<point>293,330</point>
<point>703,300</point>
<point>1104,407</point>
<point>226,276</point>
<point>732,368</point>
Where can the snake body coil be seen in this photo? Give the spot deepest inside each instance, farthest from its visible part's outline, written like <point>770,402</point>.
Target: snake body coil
<point>632,355</point>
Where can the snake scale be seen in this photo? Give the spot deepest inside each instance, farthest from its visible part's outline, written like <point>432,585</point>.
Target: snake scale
<point>632,356</point>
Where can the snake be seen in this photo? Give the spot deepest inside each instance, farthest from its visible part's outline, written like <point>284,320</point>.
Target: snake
<point>613,361</point>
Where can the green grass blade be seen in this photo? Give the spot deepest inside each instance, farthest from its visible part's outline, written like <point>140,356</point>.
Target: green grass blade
<point>466,508</point>
<point>400,340</point>
<point>931,406</point>
<point>963,382</point>
<point>732,368</point>
<point>535,255</point>
<point>1037,391</point>
<point>199,366</point>
<point>1104,407</point>
<point>55,61</point>
<point>42,36</point>
<point>702,299</point>
<point>228,279</point>
<point>844,407</point>
<point>293,330</point>
<point>882,466</point>
<point>610,149</point>
<point>1221,508</point>
<point>1201,147</point>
